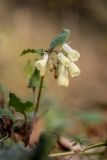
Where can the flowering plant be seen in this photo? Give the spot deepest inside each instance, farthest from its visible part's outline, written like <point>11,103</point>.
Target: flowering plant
<point>60,59</point>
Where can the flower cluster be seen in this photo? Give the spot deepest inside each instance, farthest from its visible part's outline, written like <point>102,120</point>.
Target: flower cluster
<point>65,58</point>
<point>66,62</point>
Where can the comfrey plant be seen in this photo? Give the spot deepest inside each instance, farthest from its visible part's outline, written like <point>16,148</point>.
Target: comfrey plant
<point>59,58</point>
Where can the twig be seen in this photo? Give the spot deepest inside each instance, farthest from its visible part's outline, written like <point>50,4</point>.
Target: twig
<point>95,146</point>
<point>4,138</point>
<point>71,153</point>
<point>83,152</point>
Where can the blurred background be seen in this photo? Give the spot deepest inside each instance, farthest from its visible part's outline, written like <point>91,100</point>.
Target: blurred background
<point>33,23</point>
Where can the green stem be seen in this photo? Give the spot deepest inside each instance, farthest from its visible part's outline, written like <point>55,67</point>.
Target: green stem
<point>34,95</point>
<point>36,104</point>
<point>38,99</point>
<point>25,117</point>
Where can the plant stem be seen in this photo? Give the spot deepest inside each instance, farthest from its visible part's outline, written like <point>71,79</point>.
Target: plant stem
<point>36,104</point>
<point>38,99</point>
<point>25,117</point>
<point>34,95</point>
<point>26,139</point>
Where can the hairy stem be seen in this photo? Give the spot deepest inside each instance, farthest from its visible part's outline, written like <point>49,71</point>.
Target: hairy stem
<point>34,95</point>
<point>38,99</point>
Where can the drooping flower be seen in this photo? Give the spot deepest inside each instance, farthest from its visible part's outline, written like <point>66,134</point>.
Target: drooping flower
<point>42,64</point>
<point>63,76</point>
<point>72,54</point>
<point>74,69</point>
<point>63,59</point>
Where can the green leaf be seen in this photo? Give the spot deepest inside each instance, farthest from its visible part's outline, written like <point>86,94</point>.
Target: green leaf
<point>44,146</point>
<point>20,106</point>
<point>60,39</point>
<point>35,79</point>
<point>28,69</point>
<point>39,51</point>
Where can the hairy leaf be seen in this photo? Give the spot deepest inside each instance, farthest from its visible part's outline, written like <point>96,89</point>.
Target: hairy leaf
<point>28,69</point>
<point>60,39</point>
<point>39,51</point>
<point>35,79</point>
<point>20,106</point>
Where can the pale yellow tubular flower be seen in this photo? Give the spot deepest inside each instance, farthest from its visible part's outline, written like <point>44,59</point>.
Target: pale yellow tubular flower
<point>63,76</point>
<point>72,54</point>
<point>42,64</point>
<point>63,59</point>
<point>74,69</point>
